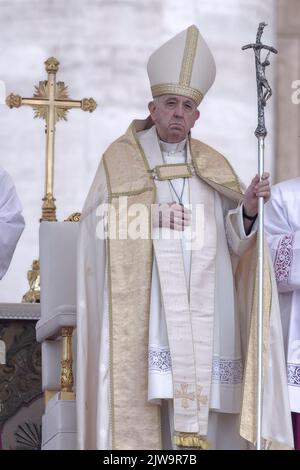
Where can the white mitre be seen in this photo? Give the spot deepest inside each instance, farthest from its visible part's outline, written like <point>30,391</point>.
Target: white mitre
<point>182,66</point>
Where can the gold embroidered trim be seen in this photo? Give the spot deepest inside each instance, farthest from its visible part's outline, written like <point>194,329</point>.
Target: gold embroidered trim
<point>111,381</point>
<point>191,440</point>
<point>233,184</point>
<point>159,174</point>
<point>188,56</point>
<point>112,195</point>
<point>247,426</point>
<point>132,193</point>
<point>153,189</point>
<point>175,89</point>
<point>236,180</point>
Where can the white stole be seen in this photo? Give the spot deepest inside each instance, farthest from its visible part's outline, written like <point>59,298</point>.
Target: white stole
<point>189,320</point>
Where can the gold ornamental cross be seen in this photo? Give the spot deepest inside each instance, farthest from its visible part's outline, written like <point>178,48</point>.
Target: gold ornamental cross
<point>52,103</point>
<point>184,395</point>
<point>201,398</point>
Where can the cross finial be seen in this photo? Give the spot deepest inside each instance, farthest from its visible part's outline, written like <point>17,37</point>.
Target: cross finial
<point>264,91</point>
<point>52,65</point>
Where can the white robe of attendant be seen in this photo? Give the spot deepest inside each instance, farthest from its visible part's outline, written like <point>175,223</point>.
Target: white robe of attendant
<point>282,225</point>
<point>94,409</point>
<point>11,221</point>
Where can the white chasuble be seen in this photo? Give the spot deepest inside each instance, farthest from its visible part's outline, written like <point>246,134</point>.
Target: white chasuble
<point>197,302</point>
<point>282,223</point>
<point>93,343</point>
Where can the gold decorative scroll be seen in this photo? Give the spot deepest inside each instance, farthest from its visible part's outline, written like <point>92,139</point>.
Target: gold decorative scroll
<point>75,217</point>
<point>33,277</point>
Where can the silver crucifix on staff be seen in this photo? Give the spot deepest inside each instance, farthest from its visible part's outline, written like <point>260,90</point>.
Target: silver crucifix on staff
<point>264,92</point>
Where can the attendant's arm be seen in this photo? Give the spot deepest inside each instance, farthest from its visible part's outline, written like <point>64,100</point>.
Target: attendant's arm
<point>284,244</point>
<point>11,221</point>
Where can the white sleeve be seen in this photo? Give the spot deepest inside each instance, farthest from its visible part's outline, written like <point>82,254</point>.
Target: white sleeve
<point>237,239</point>
<point>284,243</point>
<point>11,221</point>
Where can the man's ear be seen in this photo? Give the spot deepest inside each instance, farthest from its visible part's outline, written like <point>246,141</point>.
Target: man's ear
<point>151,107</point>
<point>197,115</point>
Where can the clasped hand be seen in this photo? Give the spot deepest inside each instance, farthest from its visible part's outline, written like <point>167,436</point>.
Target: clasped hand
<point>170,215</point>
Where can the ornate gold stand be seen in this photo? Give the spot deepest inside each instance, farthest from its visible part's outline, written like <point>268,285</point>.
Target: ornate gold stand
<point>50,102</point>
<point>66,378</point>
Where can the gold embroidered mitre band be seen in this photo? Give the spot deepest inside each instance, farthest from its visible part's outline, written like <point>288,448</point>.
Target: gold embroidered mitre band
<point>182,66</point>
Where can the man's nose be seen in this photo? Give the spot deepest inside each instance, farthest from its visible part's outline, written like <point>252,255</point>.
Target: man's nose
<point>179,110</point>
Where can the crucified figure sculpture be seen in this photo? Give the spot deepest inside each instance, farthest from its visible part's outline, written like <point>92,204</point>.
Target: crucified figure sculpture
<point>264,91</point>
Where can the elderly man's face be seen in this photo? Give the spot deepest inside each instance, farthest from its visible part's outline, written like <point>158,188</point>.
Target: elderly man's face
<point>173,116</point>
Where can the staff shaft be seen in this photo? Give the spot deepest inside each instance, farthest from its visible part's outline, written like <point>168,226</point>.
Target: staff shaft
<point>260,298</point>
<point>264,92</point>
